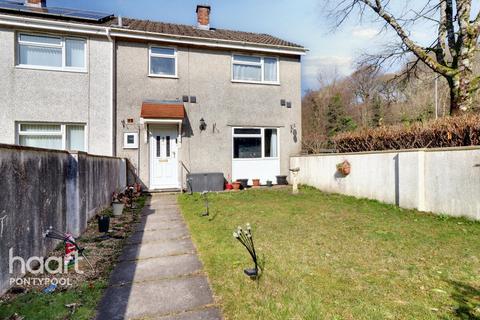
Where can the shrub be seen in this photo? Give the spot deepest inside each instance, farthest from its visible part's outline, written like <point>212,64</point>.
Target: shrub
<point>441,133</point>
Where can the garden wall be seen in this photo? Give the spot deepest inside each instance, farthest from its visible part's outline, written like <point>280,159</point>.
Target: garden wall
<point>444,181</point>
<point>43,188</point>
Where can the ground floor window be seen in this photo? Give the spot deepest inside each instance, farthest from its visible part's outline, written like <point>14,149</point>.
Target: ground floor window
<point>255,143</point>
<point>52,136</point>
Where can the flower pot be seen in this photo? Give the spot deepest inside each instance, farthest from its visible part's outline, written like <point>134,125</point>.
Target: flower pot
<point>243,182</point>
<point>236,185</point>
<point>269,183</point>
<point>282,180</point>
<point>344,168</point>
<point>103,224</point>
<point>117,208</point>
<point>256,182</point>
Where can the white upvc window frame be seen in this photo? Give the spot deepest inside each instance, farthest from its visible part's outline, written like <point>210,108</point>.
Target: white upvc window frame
<point>62,132</point>
<point>261,135</point>
<point>62,39</point>
<point>134,144</point>
<point>261,64</point>
<point>159,55</point>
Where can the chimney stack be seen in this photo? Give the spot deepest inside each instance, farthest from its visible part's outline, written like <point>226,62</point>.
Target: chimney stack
<point>36,3</point>
<point>203,16</point>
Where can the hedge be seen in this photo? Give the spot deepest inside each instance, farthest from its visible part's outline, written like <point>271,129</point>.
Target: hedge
<point>445,132</point>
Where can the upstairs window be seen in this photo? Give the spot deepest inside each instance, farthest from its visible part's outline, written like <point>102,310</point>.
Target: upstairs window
<point>163,62</point>
<point>255,69</point>
<point>49,52</point>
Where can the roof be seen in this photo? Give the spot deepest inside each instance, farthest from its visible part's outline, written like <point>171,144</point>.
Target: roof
<point>171,29</point>
<point>162,110</point>
<point>191,31</point>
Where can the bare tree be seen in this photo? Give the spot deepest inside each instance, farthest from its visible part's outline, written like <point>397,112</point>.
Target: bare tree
<point>451,53</point>
<point>363,83</point>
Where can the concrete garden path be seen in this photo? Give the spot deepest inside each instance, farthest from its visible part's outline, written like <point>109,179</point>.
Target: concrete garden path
<point>159,275</point>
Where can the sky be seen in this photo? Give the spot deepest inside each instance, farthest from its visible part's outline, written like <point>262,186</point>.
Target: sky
<point>305,22</point>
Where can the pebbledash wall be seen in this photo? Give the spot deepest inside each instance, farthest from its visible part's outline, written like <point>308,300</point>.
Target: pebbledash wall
<point>443,181</point>
<point>223,104</point>
<point>30,95</point>
<point>43,188</point>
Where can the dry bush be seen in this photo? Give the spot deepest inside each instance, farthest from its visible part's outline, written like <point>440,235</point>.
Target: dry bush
<point>444,132</point>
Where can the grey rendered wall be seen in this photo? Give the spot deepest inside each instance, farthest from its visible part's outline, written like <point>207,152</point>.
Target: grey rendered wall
<point>55,96</point>
<point>206,74</point>
<point>44,188</point>
<point>445,181</point>
<point>103,175</point>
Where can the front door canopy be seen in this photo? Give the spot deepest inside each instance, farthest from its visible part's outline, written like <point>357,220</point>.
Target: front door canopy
<point>163,110</point>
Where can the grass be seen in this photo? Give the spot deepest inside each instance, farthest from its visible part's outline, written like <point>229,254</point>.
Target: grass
<point>85,293</point>
<point>36,305</point>
<point>336,257</point>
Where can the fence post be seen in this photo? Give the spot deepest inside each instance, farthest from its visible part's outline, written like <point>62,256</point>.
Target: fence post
<point>72,196</point>
<point>421,181</point>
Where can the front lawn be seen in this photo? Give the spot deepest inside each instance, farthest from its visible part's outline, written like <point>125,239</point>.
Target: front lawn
<point>336,257</point>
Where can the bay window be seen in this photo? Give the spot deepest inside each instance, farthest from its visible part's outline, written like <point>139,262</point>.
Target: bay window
<point>255,143</point>
<point>52,136</point>
<point>51,52</point>
<point>255,69</point>
<point>163,62</point>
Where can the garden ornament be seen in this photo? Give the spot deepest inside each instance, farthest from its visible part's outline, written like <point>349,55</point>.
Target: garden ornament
<point>207,210</point>
<point>245,237</point>
<point>71,247</point>
<point>295,172</point>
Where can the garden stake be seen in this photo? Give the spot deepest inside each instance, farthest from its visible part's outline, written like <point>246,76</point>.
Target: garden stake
<point>245,237</point>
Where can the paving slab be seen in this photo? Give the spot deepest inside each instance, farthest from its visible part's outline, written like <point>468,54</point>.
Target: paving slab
<point>204,314</point>
<point>160,225</point>
<point>161,218</point>
<point>153,236</point>
<point>161,209</point>
<point>157,249</point>
<point>155,298</point>
<point>155,268</point>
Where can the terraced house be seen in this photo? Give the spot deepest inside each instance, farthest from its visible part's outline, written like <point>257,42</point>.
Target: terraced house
<point>171,98</point>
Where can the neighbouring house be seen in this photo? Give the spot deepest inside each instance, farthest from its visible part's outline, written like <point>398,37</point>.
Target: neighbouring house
<point>171,98</point>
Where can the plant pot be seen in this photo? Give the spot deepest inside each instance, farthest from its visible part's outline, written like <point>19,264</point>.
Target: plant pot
<point>243,182</point>
<point>103,224</point>
<point>282,180</point>
<point>256,182</point>
<point>117,208</point>
<point>344,168</point>
<point>269,183</point>
<point>236,185</point>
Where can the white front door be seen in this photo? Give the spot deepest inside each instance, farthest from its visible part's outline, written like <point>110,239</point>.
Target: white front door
<point>163,157</point>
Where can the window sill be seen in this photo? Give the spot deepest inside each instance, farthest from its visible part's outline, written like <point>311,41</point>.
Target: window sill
<point>160,76</point>
<point>26,67</point>
<point>257,82</point>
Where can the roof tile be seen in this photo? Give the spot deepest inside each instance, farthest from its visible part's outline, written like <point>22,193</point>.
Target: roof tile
<point>191,31</point>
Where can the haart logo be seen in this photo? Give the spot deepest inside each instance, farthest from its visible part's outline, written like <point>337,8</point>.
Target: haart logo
<point>38,265</point>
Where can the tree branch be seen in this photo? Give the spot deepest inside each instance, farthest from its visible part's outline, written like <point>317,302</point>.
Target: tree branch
<point>417,50</point>
<point>449,25</point>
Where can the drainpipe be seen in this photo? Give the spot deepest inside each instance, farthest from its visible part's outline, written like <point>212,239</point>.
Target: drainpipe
<point>113,91</point>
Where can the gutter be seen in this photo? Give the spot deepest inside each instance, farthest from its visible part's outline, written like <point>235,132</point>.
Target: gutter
<point>70,27</point>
